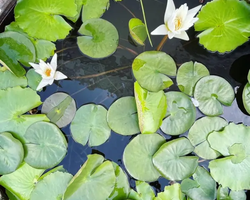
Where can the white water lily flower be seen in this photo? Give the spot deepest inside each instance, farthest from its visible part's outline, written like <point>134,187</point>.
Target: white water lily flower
<point>48,72</point>
<point>177,21</point>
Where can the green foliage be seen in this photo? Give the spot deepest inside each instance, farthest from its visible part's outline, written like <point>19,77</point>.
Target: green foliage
<point>246,97</point>
<point>137,30</point>
<point>224,194</point>
<point>33,79</point>
<point>171,192</point>
<point>8,80</point>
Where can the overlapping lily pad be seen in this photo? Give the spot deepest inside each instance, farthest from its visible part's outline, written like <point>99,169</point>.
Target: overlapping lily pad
<point>144,190</point>
<point>11,153</point>
<point>246,97</point>
<point>151,108</point>
<point>137,30</point>
<point>180,115</point>
<point>8,79</point>
<point>172,162</point>
<point>100,38</point>
<point>199,132</point>
<point>224,194</point>
<point>152,68</point>
<point>32,15</point>
<point>33,79</point>
<point>138,154</point>
<point>211,92</point>
<point>188,74</point>
<point>171,192</point>
<point>231,142</point>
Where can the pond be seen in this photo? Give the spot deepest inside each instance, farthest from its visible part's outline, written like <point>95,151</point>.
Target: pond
<point>103,81</point>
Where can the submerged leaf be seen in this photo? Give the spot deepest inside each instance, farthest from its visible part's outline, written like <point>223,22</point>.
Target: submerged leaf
<point>137,30</point>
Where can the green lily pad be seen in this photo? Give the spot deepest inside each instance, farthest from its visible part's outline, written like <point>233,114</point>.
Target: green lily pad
<point>202,186</point>
<point>11,153</point>
<point>144,190</point>
<point>151,69</point>
<point>123,114</point>
<point>188,74</point>
<point>180,115</point>
<point>90,125</point>
<point>211,92</point>
<point>33,79</point>
<point>199,132</point>
<point>51,187</point>
<point>79,4</point>
<point>133,195</point>
<point>60,108</point>
<point>45,145</point>
<point>137,156</point>
<point>21,182</point>
<point>56,169</point>
<point>15,48</point>
<point>172,192</point>
<point>151,108</point>
<point>225,25</point>
<point>94,9</point>
<point>8,79</point>
<point>172,162</point>
<point>224,194</point>
<point>32,15</point>
<point>137,31</point>
<point>246,97</point>
<point>231,142</point>
<point>18,101</point>
<point>94,181</point>
<point>100,38</point>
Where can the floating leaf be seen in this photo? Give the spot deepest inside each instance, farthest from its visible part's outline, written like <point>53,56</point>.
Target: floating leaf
<point>17,101</point>
<point>8,79</point>
<point>33,79</point>
<point>225,25</point>
<point>150,69</point>
<point>137,30</point>
<point>151,108</point>
<point>172,192</point>
<point>90,124</point>
<point>94,181</point>
<point>56,169</point>
<point>137,156</point>
<point>32,15</point>
<point>123,114</point>
<point>60,108</point>
<point>202,186</point>
<point>79,4</point>
<point>45,145</point>
<point>51,187</point>
<point>172,162</point>
<point>21,182</point>
<point>15,48</point>
<point>246,97</point>
<point>198,136</point>
<point>211,92</point>
<point>133,195</point>
<point>100,38</point>
<point>188,74</point>
<point>180,115</point>
<point>223,194</point>
<point>145,191</point>
<point>11,153</point>
<point>231,142</point>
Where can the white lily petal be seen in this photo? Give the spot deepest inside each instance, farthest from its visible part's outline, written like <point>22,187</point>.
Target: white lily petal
<point>43,83</point>
<point>43,65</point>
<point>35,66</point>
<point>53,62</point>
<point>183,35</point>
<point>171,35</point>
<point>60,76</point>
<point>160,30</point>
<point>192,12</point>
<point>182,12</point>
<point>169,10</point>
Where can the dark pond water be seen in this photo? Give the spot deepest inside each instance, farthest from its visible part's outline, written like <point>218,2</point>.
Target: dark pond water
<point>104,81</point>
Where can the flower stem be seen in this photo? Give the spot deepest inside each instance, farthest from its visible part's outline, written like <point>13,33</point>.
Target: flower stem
<point>145,21</point>
<point>163,41</point>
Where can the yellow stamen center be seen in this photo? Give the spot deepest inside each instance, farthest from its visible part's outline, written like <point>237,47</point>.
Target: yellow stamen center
<point>177,23</point>
<point>48,72</point>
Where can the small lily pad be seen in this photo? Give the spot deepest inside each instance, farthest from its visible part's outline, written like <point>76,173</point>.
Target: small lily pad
<point>211,92</point>
<point>137,30</point>
<point>188,74</point>
<point>180,115</point>
<point>144,190</point>
<point>100,38</point>
<point>198,136</point>
<point>90,125</point>
<point>8,79</point>
<point>11,153</point>
<point>172,192</point>
<point>152,68</point>
<point>45,145</point>
<point>246,97</point>
<point>60,108</point>
<point>138,154</point>
<point>224,194</point>
<point>172,162</point>
<point>33,79</point>
<point>123,114</point>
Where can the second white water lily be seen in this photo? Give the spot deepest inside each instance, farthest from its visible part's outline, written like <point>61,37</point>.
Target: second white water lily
<point>177,21</point>
<point>48,72</point>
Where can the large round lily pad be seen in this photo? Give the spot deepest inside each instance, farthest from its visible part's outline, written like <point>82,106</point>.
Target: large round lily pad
<point>246,97</point>
<point>152,68</point>
<point>122,116</point>
<point>138,154</point>
<point>11,153</point>
<point>90,125</point>
<point>198,136</point>
<point>8,79</point>
<point>172,162</point>
<point>232,142</point>
<point>45,145</point>
<point>211,92</point>
<point>60,108</point>
<point>188,74</point>
<point>180,115</point>
<point>100,38</point>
